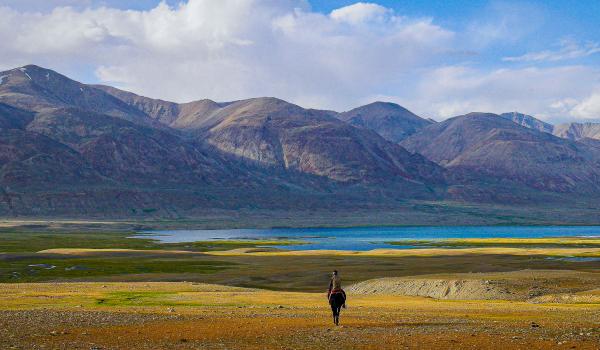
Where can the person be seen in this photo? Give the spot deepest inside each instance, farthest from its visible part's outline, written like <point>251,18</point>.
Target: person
<point>336,296</point>
<point>335,286</point>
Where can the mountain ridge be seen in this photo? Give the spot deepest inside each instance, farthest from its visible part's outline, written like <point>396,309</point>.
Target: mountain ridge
<point>390,120</point>
<point>528,121</point>
<point>486,145</point>
<point>100,141</point>
<point>578,131</point>
<point>82,147</point>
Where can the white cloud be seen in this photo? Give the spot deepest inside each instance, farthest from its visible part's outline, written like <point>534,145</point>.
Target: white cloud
<point>589,108</point>
<point>234,49</point>
<point>569,49</point>
<point>549,93</point>
<point>360,12</point>
<point>229,49</point>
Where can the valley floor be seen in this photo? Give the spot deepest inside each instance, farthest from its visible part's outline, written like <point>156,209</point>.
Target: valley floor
<point>97,315</point>
<point>104,290</point>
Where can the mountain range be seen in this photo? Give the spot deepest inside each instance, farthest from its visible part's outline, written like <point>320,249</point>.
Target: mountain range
<point>481,146</point>
<point>73,149</point>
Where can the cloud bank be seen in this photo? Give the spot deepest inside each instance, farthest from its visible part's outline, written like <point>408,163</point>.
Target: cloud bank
<point>235,49</point>
<point>569,49</point>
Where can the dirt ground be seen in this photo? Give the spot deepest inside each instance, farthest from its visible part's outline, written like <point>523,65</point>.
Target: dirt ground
<point>106,291</point>
<point>163,315</point>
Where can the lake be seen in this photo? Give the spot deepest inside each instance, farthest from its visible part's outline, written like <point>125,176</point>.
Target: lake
<point>367,238</point>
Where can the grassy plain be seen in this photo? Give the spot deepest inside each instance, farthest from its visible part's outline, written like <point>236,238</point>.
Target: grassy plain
<point>105,290</point>
<point>554,242</point>
<point>193,316</point>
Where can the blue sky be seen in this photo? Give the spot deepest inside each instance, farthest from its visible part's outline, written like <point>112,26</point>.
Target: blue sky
<point>437,58</point>
<point>542,23</point>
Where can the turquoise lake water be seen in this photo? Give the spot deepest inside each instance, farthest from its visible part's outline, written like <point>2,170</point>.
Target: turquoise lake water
<point>367,238</point>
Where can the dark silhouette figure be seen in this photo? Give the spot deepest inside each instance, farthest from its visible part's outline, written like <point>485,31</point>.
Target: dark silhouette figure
<point>336,296</point>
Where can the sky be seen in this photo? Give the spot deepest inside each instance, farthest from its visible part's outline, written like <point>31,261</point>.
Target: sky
<point>437,58</point>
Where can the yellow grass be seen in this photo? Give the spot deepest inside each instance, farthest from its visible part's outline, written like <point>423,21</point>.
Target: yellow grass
<point>517,241</point>
<point>214,316</point>
<point>579,252</point>
<point>517,251</point>
<point>191,295</point>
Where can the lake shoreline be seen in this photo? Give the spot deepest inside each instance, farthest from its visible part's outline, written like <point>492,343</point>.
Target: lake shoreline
<point>376,237</point>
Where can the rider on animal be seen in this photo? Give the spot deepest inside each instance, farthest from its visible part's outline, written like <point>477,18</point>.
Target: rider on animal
<point>336,296</point>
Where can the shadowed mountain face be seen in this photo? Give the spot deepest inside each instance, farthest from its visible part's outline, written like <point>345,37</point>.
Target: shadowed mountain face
<point>130,153</point>
<point>590,142</point>
<point>480,146</point>
<point>528,121</point>
<point>14,118</point>
<point>98,149</point>
<point>274,133</point>
<point>393,122</point>
<point>578,131</point>
<point>32,161</point>
<point>67,147</point>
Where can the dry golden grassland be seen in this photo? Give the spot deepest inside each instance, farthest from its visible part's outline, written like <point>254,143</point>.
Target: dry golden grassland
<point>191,316</point>
<point>107,291</point>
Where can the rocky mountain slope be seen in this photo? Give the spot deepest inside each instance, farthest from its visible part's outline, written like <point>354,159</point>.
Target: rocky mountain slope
<point>578,131</point>
<point>129,153</point>
<point>35,89</point>
<point>274,133</point>
<point>176,115</point>
<point>14,118</point>
<point>68,148</point>
<point>96,149</point>
<point>528,121</point>
<point>30,161</point>
<point>393,122</point>
<point>481,146</point>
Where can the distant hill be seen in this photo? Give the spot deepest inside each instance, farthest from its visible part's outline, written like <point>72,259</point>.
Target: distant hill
<point>483,146</point>
<point>176,115</point>
<point>83,147</point>
<point>35,89</point>
<point>393,122</point>
<point>578,131</point>
<point>277,133</point>
<point>77,150</point>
